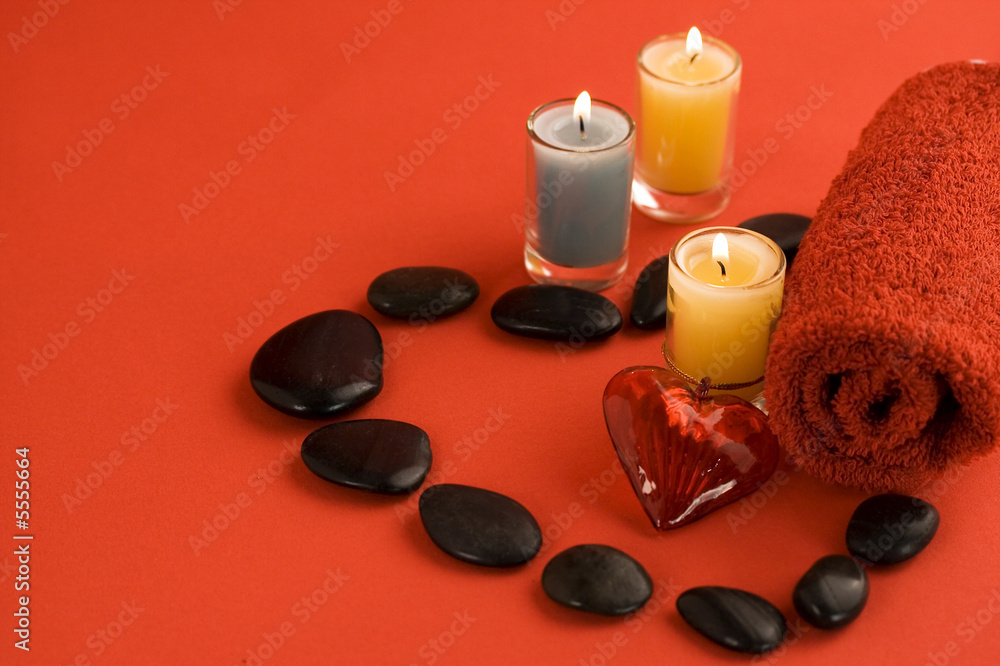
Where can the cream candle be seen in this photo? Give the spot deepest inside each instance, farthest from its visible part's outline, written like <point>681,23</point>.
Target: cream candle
<point>724,288</point>
<point>688,88</point>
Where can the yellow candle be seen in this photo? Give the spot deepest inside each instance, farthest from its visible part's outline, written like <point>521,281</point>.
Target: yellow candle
<point>687,105</point>
<point>723,296</point>
<point>728,265</point>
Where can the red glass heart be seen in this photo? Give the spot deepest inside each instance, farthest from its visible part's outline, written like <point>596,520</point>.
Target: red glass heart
<point>686,456</point>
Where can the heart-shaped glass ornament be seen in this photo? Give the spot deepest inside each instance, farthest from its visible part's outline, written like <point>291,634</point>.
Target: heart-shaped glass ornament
<point>685,452</point>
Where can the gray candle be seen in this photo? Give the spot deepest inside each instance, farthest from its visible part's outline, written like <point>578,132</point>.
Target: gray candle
<point>580,158</point>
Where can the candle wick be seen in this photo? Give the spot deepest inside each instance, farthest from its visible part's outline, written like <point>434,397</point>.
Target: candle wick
<point>723,267</point>
<point>583,132</point>
<point>691,62</point>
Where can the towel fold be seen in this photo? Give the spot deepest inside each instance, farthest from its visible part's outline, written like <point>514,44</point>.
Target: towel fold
<point>885,365</point>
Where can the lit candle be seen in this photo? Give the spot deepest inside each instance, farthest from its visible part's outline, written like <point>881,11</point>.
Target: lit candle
<point>580,157</point>
<point>724,289</point>
<point>687,107</point>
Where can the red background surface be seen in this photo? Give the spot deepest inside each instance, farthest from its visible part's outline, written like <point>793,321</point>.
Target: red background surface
<point>163,337</point>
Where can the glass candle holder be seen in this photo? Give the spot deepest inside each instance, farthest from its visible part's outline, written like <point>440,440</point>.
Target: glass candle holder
<point>724,289</point>
<point>687,121</point>
<point>578,195</point>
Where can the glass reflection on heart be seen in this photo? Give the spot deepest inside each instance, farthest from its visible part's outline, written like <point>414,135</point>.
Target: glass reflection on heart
<point>685,455</point>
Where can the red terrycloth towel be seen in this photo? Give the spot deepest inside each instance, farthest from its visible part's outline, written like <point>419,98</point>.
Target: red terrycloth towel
<point>885,365</point>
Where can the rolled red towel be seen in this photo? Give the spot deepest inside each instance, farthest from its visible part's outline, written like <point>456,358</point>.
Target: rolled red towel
<point>885,365</point>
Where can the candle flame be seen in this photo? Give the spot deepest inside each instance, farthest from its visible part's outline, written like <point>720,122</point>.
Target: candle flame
<point>720,249</point>
<point>581,110</point>
<point>694,43</point>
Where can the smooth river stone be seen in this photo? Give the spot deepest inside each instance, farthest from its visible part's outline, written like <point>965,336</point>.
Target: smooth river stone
<point>319,366</point>
<point>785,229</point>
<point>479,526</point>
<point>424,292</point>
<point>597,579</point>
<point>377,455</point>
<point>649,299</point>
<point>832,593</point>
<point>555,312</point>
<point>734,619</point>
<point>886,529</point>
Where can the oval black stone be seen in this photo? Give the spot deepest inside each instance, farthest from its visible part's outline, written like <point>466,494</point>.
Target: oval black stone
<point>886,529</point>
<point>785,229</point>
<point>376,455</point>
<point>555,312</point>
<point>427,292</point>
<point>597,579</point>
<point>734,619</point>
<point>832,593</point>
<point>649,299</point>
<point>319,366</point>
<point>479,526</point>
